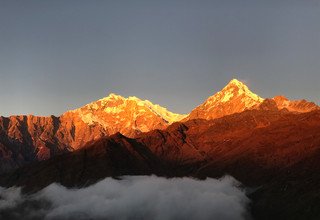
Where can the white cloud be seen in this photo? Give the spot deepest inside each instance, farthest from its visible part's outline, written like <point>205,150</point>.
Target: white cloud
<point>133,197</point>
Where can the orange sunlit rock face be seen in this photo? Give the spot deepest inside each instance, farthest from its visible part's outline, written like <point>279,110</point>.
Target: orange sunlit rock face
<point>296,105</point>
<point>252,146</point>
<point>37,138</point>
<point>271,145</point>
<point>236,97</point>
<point>24,139</point>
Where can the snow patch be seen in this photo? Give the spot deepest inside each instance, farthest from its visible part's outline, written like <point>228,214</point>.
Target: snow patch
<point>113,110</point>
<point>227,97</point>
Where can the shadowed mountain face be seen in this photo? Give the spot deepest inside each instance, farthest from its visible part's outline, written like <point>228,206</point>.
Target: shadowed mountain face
<point>274,152</point>
<point>24,139</point>
<point>271,145</point>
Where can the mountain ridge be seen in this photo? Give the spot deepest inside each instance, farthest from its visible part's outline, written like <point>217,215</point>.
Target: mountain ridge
<point>271,145</point>
<point>274,152</point>
<point>24,139</point>
<point>236,97</point>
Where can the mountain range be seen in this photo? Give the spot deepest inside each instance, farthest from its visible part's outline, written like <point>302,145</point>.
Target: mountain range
<point>271,145</point>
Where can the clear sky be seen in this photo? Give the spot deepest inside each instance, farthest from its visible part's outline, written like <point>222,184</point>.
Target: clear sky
<point>57,55</point>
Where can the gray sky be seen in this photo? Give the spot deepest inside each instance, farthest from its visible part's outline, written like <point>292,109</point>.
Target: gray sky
<point>59,55</point>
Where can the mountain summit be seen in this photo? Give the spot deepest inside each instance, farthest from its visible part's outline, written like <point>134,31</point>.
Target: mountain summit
<point>233,98</point>
<point>274,147</point>
<point>236,97</point>
<point>128,116</point>
<point>28,138</point>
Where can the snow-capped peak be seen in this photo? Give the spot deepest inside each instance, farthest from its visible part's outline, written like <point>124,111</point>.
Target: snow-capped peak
<point>236,82</point>
<point>113,96</point>
<point>237,88</point>
<point>119,114</point>
<point>234,90</point>
<point>234,97</point>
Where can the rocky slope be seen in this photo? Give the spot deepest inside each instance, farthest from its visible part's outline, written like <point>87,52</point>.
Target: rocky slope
<point>31,138</point>
<point>295,105</point>
<point>236,97</point>
<point>24,139</point>
<point>274,152</point>
<point>129,116</point>
<point>233,98</point>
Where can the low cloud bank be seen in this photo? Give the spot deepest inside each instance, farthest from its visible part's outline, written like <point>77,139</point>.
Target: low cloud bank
<point>132,197</point>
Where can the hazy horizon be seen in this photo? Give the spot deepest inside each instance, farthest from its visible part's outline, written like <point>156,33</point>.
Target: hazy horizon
<point>60,55</point>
